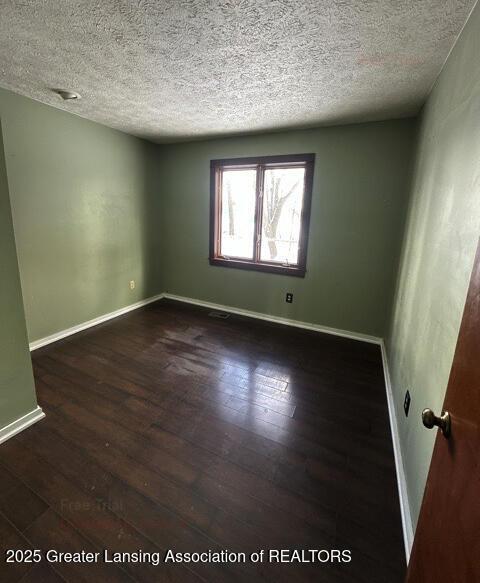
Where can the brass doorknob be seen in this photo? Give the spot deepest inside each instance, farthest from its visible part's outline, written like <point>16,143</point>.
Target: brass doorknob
<point>443,422</point>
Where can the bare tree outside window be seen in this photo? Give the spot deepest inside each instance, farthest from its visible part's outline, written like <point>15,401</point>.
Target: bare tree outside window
<point>231,219</point>
<point>281,186</point>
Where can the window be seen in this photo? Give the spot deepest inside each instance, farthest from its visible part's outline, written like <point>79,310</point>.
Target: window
<point>260,212</point>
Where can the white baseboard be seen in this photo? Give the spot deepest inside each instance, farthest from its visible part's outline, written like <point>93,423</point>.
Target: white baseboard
<point>20,424</point>
<point>79,327</point>
<point>276,319</point>
<point>407,526</point>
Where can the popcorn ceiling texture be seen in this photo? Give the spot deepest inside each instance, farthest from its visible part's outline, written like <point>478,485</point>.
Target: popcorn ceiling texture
<point>182,69</point>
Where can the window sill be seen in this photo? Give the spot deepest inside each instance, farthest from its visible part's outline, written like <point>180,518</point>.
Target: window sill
<point>265,267</point>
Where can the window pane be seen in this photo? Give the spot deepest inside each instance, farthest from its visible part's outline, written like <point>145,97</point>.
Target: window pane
<point>282,209</point>
<point>238,213</point>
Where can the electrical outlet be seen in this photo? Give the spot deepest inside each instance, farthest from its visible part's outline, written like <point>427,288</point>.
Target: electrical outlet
<point>406,403</point>
<point>289,298</point>
<point>132,284</point>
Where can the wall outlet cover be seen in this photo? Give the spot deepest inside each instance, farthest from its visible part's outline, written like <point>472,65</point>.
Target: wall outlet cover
<point>406,403</point>
<point>132,284</point>
<point>289,298</point>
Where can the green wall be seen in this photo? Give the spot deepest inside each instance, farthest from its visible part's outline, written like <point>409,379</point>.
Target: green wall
<point>359,199</point>
<point>17,391</point>
<point>94,208</point>
<point>86,213</point>
<point>441,238</point>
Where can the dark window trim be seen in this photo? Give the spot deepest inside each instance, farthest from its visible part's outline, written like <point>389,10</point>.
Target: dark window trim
<point>260,163</point>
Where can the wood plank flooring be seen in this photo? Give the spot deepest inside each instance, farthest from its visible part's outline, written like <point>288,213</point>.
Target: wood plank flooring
<point>169,429</point>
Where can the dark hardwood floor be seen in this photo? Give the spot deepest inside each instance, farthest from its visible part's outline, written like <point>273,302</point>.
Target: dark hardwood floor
<point>169,429</point>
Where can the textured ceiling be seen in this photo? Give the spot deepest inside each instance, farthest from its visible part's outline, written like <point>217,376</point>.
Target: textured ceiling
<point>169,70</point>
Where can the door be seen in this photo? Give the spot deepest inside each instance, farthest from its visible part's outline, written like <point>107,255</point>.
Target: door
<point>447,540</point>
